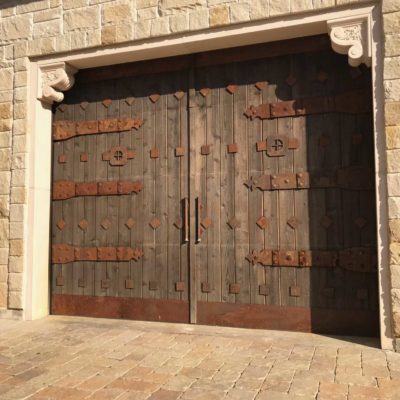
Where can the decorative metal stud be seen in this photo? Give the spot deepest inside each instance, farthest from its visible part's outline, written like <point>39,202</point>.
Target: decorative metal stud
<point>155,152</point>
<point>179,151</point>
<point>295,291</point>
<point>252,257</point>
<point>360,222</point>
<point>129,223</point>
<point>60,224</point>
<point>293,222</point>
<point>155,223</point>
<point>179,94</point>
<point>83,224</point>
<point>263,290</point>
<point>84,157</point>
<point>232,148</point>
<point>178,223</point>
<point>179,286</point>
<point>328,292</point>
<point>291,80</point>
<point>60,281</point>
<point>362,294</point>
<point>206,287</point>
<point>129,100</point>
<point>62,107</point>
<point>355,72</point>
<point>322,76</point>
<point>261,85</point>
<point>234,288</point>
<point>206,222</point>
<point>231,89</point>
<point>84,105</point>
<point>262,222</point>
<point>105,224</point>
<point>129,284</point>
<point>62,159</point>
<point>107,102</point>
<point>261,146</point>
<point>234,223</point>
<point>105,283</point>
<point>251,183</point>
<point>357,139</point>
<point>324,140</point>
<point>153,285</point>
<point>326,221</point>
<point>81,283</point>
<point>204,92</point>
<point>205,150</point>
<point>154,97</point>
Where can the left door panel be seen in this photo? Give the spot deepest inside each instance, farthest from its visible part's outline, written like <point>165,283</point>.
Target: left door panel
<point>120,180</point>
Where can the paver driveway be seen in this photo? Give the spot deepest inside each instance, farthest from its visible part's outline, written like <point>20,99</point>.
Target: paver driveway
<point>79,358</point>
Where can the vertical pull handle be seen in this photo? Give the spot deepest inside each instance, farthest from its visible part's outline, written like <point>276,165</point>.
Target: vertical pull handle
<point>185,220</point>
<point>198,227</point>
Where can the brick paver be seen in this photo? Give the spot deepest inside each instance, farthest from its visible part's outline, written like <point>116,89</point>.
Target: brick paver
<point>81,358</point>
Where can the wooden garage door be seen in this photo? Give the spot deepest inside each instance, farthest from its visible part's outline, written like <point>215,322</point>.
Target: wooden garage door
<point>230,188</point>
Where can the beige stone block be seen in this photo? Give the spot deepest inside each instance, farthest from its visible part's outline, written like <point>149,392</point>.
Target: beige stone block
<point>9,52</point>
<point>5,159</point>
<point>5,110</point>
<point>392,113</point>
<point>392,68</point>
<point>4,253</point>
<point>20,95</point>
<point>198,20</point>
<point>396,324</point>
<point>394,226</point>
<point>219,16</point>
<point>69,4</point>
<point>392,137</point>
<point>279,7</point>
<point>142,29</point>
<point>16,263</point>
<point>390,5</point>
<point>160,26</point>
<point>392,90</point>
<point>301,5</point>
<point>4,232</point>
<point>17,212</point>
<point>147,13</point>
<point>6,96</point>
<point>47,29</point>
<point>179,23</point>
<point>146,3</point>
<point>16,229</point>
<point>391,22</point>
<point>21,48</point>
<point>77,40</point>
<point>393,180</point>
<point>37,47</point>
<point>392,45</point>
<point>181,4</point>
<point>63,42</point>
<point>4,206</point>
<point>395,300</point>
<point>16,249</point>
<point>19,161</point>
<point>6,79</point>
<point>108,34</point>
<point>18,195</point>
<point>5,128</point>
<point>395,253</point>
<point>82,18</point>
<point>20,79</point>
<point>15,300</point>
<point>3,295</point>
<point>20,110</point>
<point>395,276</point>
<point>21,64</point>
<point>18,177</point>
<point>394,207</point>
<point>117,13</point>
<point>240,12</point>
<point>393,160</point>
<point>5,179</point>
<point>3,273</point>
<point>15,281</point>
<point>19,127</point>
<point>93,37</point>
<point>8,11</point>
<point>47,15</point>
<point>323,3</point>
<point>30,6</point>
<point>16,27</point>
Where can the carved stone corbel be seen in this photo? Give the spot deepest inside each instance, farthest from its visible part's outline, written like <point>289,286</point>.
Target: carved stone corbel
<point>53,80</point>
<point>352,36</point>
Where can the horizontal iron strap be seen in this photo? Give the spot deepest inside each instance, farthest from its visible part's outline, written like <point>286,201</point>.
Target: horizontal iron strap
<point>350,103</point>
<point>64,253</point>
<point>63,190</point>
<point>63,130</point>
<point>360,259</point>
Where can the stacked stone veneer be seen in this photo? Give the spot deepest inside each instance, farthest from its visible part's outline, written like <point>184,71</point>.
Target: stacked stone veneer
<point>32,28</point>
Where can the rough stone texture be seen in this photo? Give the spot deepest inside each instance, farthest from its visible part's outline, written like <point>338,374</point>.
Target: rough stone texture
<point>82,18</point>
<point>392,90</point>
<point>219,16</point>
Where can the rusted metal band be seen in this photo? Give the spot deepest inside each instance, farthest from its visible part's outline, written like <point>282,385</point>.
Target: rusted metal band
<point>349,103</point>
<point>358,259</point>
<point>63,130</point>
<point>64,253</point>
<point>63,190</point>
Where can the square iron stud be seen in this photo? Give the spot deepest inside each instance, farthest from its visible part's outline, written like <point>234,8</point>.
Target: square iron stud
<point>129,223</point>
<point>153,285</point>
<point>105,224</point>
<point>179,94</point>
<point>291,79</point>
<point>261,146</point>
<point>107,102</point>
<point>84,157</point>
<point>179,286</point>
<point>60,224</point>
<point>234,223</point>
<point>295,291</point>
<point>129,284</point>
<point>362,294</point>
<point>360,222</point>
<point>129,100</point>
<point>60,281</point>
<point>205,150</point>
<point>328,292</point>
<point>231,88</point>
<point>293,222</point>
<point>179,151</point>
<point>206,222</point>
<point>234,288</point>
<point>178,223</point>
<point>232,148</point>
<point>263,290</point>
<point>262,222</point>
<point>357,139</point>
<point>155,152</point>
<point>204,92</point>
<point>261,85</point>
<point>62,159</point>
<point>83,224</point>
<point>155,223</point>
<point>324,140</point>
<point>62,107</point>
<point>322,76</point>
<point>326,221</point>
<point>81,283</point>
<point>154,97</point>
<point>84,105</point>
<point>205,287</point>
<point>105,283</point>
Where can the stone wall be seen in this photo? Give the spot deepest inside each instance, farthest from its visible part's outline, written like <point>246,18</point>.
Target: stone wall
<point>43,27</point>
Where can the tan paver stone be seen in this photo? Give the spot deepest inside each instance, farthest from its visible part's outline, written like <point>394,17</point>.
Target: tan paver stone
<point>179,383</point>
<point>107,394</point>
<point>249,384</point>
<point>200,394</point>
<point>163,394</point>
<point>138,372</point>
<point>197,372</point>
<point>135,385</point>
<point>276,386</point>
<point>96,382</point>
<point>353,379</point>
<point>211,384</point>
<point>241,394</point>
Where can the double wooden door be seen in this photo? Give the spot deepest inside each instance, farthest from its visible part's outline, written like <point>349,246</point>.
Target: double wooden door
<point>231,188</point>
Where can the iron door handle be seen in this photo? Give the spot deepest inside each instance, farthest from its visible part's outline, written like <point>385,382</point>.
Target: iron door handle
<point>198,227</point>
<point>185,220</point>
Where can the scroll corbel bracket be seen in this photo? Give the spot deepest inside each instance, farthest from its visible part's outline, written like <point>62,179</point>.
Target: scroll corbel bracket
<point>53,80</point>
<point>352,36</point>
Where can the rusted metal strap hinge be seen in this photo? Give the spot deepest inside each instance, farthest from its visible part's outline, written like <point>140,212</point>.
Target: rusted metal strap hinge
<point>358,259</point>
<point>281,181</point>
<point>63,130</point>
<point>350,103</point>
<point>64,253</point>
<point>63,190</point>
